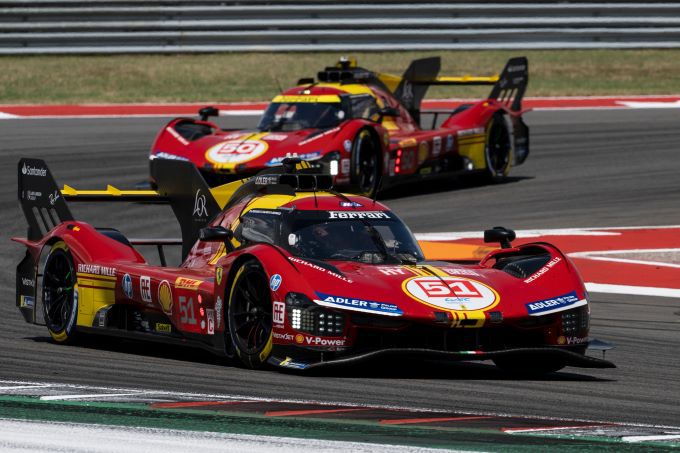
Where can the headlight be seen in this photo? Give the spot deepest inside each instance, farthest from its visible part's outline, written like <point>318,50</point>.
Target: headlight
<point>308,317</point>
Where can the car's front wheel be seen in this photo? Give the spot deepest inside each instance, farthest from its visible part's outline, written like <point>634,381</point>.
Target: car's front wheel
<point>250,315</point>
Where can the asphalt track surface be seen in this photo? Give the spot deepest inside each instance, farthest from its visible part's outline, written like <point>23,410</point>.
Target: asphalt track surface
<point>587,168</point>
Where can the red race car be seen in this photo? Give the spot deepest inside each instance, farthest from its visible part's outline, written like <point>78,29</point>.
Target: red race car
<point>282,270</point>
<point>365,129</point>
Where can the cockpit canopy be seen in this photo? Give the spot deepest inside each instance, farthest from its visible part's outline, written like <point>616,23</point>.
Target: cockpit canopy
<point>377,237</point>
<point>291,113</point>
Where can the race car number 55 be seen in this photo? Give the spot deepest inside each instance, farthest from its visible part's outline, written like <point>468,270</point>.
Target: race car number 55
<point>236,151</point>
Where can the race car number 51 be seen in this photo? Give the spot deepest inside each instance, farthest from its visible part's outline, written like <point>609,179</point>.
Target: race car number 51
<point>451,293</point>
<point>236,151</point>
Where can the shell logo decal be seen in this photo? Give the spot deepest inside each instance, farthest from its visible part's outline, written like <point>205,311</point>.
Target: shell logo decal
<point>451,293</point>
<point>165,296</point>
<point>236,151</point>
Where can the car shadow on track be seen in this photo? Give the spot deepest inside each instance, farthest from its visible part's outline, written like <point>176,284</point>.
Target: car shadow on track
<point>376,369</point>
<point>429,369</point>
<point>464,182</point>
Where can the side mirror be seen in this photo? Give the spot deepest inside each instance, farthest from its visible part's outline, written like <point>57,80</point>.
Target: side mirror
<point>500,234</point>
<point>215,234</point>
<point>207,112</point>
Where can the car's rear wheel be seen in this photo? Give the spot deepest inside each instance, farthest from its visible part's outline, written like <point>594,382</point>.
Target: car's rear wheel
<point>366,163</point>
<point>59,294</point>
<point>498,150</point>
<point>529,365</point>
<point>250,315</point>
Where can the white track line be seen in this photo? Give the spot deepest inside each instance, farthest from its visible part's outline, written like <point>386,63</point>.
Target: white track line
<point>91,395</point>
<point>650,438</point>
<point>633,290</point>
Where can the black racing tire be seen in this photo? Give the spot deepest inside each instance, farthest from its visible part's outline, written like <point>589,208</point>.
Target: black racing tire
<point>250,315</point>
<point>498,148</point>
<point>529,365</point>
<point>60,294</point>
<point>365,159</point>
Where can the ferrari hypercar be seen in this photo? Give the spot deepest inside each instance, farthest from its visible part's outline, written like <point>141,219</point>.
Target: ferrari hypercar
<point>282,270</point>
<point>366,129</point>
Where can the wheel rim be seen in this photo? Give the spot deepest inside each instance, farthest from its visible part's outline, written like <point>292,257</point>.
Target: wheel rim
<point>498,148</point>
<point>58,287</point>
<point>368,164</point>
<point>251,311</point>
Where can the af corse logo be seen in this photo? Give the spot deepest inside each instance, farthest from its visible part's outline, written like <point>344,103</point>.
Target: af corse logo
<point>200,210</point>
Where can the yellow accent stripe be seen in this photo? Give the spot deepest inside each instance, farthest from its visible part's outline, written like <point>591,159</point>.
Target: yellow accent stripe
<point>110,190</point>
<point>455,80</point>
<point>324,98</point>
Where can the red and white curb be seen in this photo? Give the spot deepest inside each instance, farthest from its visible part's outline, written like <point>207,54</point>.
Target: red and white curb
<point>642,261</point>
<point>21,111</point>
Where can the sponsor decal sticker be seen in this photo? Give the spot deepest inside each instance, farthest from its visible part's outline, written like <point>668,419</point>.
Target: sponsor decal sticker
<point>210,315</point>
<point>367,306</point>
<point>423,152</point>
<point>543,270</point>
<point>275,137</point>
<point>96,269</point>
<point>436,146</point>
<point>32,195</point>
<point>304,156</point>
<point>164,155</point>
<point>451,293</point>
<point>577,340</point>
<point>559,303</point>
<point>392,270</point>
<point>409,142</point>
<point>27,282</point>
<point>347,144</point>
<point>275,282</point>
<point>320,341</point>
<point>165,296</point>
<point>449,143</point>
<point>358,215</point>
<point>163,328</point>
<point>299,338</point>
<point>218,274</point>
<point>317,136</point>
<point>344,166</point>
<point>176,135</point>
<point>145,288</point>
<point>236,151</point>
<point>127,286</point>
<point>467,132</point>
<point>27,302</point>
<point>350,204</point>
<point>460,271</point>
<point>283,336</point>
<point>27,170</point>
<point>279,317</point>
<point>319,268</point>
<point>290,363</point>
<point>218,311</point>
<point>187,283</point>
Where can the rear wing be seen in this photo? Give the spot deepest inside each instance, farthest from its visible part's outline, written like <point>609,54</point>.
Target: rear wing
<point>179,184</point>
<point>411,87</point>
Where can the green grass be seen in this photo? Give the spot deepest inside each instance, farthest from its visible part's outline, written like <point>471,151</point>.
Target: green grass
<point>257,76</point>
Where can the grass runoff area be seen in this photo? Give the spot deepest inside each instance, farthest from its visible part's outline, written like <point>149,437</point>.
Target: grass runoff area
<point>260,76</point>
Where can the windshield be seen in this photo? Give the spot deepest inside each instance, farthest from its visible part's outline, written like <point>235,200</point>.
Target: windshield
<point>285,116</point>
<point>375,237</point>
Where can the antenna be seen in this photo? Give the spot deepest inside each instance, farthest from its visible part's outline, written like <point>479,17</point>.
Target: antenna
<point>375,195</point>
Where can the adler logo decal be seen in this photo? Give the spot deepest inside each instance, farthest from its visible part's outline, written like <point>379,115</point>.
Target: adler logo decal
<point>451,293</point>
<point>236,151</point>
